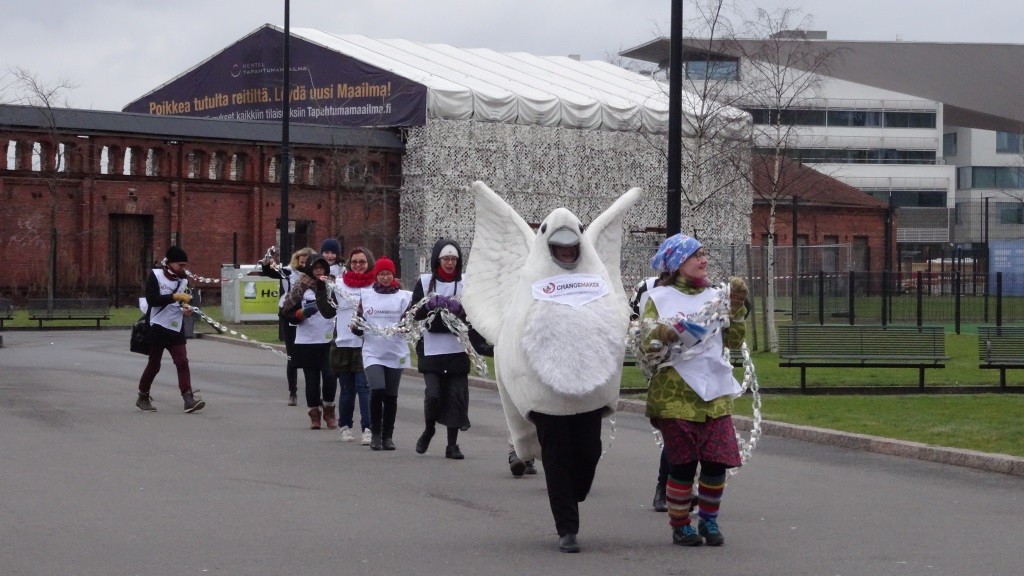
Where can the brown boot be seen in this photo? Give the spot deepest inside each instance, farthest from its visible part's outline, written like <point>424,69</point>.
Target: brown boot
<point>329,418</point>
<point>314,418</point>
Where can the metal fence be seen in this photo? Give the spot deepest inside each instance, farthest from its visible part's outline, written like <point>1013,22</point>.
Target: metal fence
<point>948,298</point>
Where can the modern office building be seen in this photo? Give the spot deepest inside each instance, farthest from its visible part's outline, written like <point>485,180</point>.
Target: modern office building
<point>932,128</point>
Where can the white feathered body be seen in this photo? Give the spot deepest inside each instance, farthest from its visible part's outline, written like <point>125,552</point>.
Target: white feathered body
<point>549,357</point>
<point>556,359</point>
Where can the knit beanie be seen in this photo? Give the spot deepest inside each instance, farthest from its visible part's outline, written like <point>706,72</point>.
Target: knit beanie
<point>330,245</point>
<point>448,250</point>
<point>383,263</point>
<point>175,254</point>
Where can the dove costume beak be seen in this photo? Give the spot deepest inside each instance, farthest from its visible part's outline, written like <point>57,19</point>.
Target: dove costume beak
<point>564,245</point>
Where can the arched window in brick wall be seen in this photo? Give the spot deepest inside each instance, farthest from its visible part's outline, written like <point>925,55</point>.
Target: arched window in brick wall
<point>104,160</point>
<point>154,162</point>
<point>75,155</point>
<point>115,160</point>
<point>356,172</point>
<point>373,173</point>
<point>316,171</point>
<point>216,171</point>
<point>273,169</point>
<point>197,160</point>
<point>299,169</point>
<point>238,167</point>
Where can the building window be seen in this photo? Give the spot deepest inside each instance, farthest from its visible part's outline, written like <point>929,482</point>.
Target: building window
<point>949,144</point>
<point>855,118</point>
<point>909,119</point>
<point>1010,212</point>
<point>712,70</point>
<point>997,177</point>
<point>1008,143</point>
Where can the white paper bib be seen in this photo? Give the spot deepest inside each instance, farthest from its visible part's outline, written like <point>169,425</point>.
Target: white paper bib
<point>570,289</point>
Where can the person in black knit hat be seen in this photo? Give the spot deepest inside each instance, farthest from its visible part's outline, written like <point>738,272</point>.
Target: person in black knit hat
<point>167,304</point>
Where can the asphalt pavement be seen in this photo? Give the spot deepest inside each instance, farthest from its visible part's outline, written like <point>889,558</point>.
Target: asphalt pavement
<point>89,485</point>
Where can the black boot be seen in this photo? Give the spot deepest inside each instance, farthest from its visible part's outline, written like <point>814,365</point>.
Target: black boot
<point>453,452</point>
<point>567,543</point>
<point>515,463</point>
<point>145,402</point>
<point>193,403</point>
<point>659,503</point>
<point>424,441</point>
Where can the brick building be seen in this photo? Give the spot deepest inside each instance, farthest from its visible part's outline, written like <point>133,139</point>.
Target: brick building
<point>120,188</point>
<point>828,212</point>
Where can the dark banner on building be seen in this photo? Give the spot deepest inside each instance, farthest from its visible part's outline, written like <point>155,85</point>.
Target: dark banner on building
<point>243,82</point>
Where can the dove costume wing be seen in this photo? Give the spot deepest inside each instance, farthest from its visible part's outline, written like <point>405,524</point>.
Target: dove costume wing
<point>550,357</point>
<point>501,243</point>
<point>606,234</point>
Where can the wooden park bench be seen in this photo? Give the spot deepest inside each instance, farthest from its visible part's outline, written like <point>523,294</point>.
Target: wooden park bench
<point>6,310</point>
<point>843,346</point>
<point>44,309</point>
<point>1001,348</point>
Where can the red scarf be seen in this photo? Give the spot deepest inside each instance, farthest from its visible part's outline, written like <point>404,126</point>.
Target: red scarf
<point>446,277</point>
<point>357,279</point>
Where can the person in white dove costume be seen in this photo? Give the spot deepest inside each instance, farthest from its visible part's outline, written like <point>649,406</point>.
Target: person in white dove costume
<point>553,304</point>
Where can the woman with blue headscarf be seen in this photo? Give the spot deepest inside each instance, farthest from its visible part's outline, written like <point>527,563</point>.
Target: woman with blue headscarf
<point>690,399</point>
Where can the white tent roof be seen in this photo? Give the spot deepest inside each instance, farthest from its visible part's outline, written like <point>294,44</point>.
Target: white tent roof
<point>515,87</point>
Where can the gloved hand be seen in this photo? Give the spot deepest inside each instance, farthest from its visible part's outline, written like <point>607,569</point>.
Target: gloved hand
<point>181,297</point>
<point>666,334</point>
<point>737,294</point>
<point>308,310</point>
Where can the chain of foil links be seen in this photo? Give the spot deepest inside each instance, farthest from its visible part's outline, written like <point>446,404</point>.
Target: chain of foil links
<point>204,280</point>
<point>452,322</point>
<point>713,316</point>
<point>411,329</point>
<point>222,328</point>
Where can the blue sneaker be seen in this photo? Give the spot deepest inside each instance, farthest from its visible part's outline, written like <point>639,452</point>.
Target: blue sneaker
<point>709,530</point>
<point>686,536</point>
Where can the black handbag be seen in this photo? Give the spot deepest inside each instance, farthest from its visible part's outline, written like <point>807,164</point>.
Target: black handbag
<point>140,336</point>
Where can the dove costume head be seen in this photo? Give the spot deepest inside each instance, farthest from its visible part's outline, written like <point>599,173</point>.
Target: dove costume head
<point>561,232</point>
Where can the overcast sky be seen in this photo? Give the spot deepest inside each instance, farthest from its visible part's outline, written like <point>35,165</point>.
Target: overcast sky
<point>117,50</point>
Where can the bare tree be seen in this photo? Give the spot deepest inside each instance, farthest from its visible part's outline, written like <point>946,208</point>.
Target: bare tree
<point>48,154</point>
<point>783,74</point>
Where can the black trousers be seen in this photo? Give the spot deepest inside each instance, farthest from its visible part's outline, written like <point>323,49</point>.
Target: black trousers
<point>570,448</point>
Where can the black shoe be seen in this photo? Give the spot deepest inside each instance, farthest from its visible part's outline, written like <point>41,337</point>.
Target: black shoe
<point>387,444</point>
<point>193,403</point>
<point>568,544</point>
<point>376,443</point>
<point>145,403</point>
<point>708,529</point>
<point>293,400</point>
<point>530,470</point>
<point>686,536</point>
<point>453,452</point>
<point>424,442</point>
<point>659,503</point>
<point>516,464</point>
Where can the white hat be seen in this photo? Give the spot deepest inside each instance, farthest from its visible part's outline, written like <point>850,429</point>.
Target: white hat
<point>448,250</point>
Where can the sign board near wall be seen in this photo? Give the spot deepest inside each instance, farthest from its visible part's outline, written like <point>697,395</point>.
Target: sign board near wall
<point>1007,256</point>
<point>247,297</point>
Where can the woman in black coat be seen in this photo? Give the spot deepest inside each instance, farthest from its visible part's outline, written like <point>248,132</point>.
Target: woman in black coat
<point>441,358</point>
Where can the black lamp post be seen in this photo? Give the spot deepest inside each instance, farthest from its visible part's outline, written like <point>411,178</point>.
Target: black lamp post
<point>285,168</point>
<point>673,203</point>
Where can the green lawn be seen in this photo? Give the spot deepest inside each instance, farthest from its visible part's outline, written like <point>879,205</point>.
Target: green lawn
<point>983,422</point>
